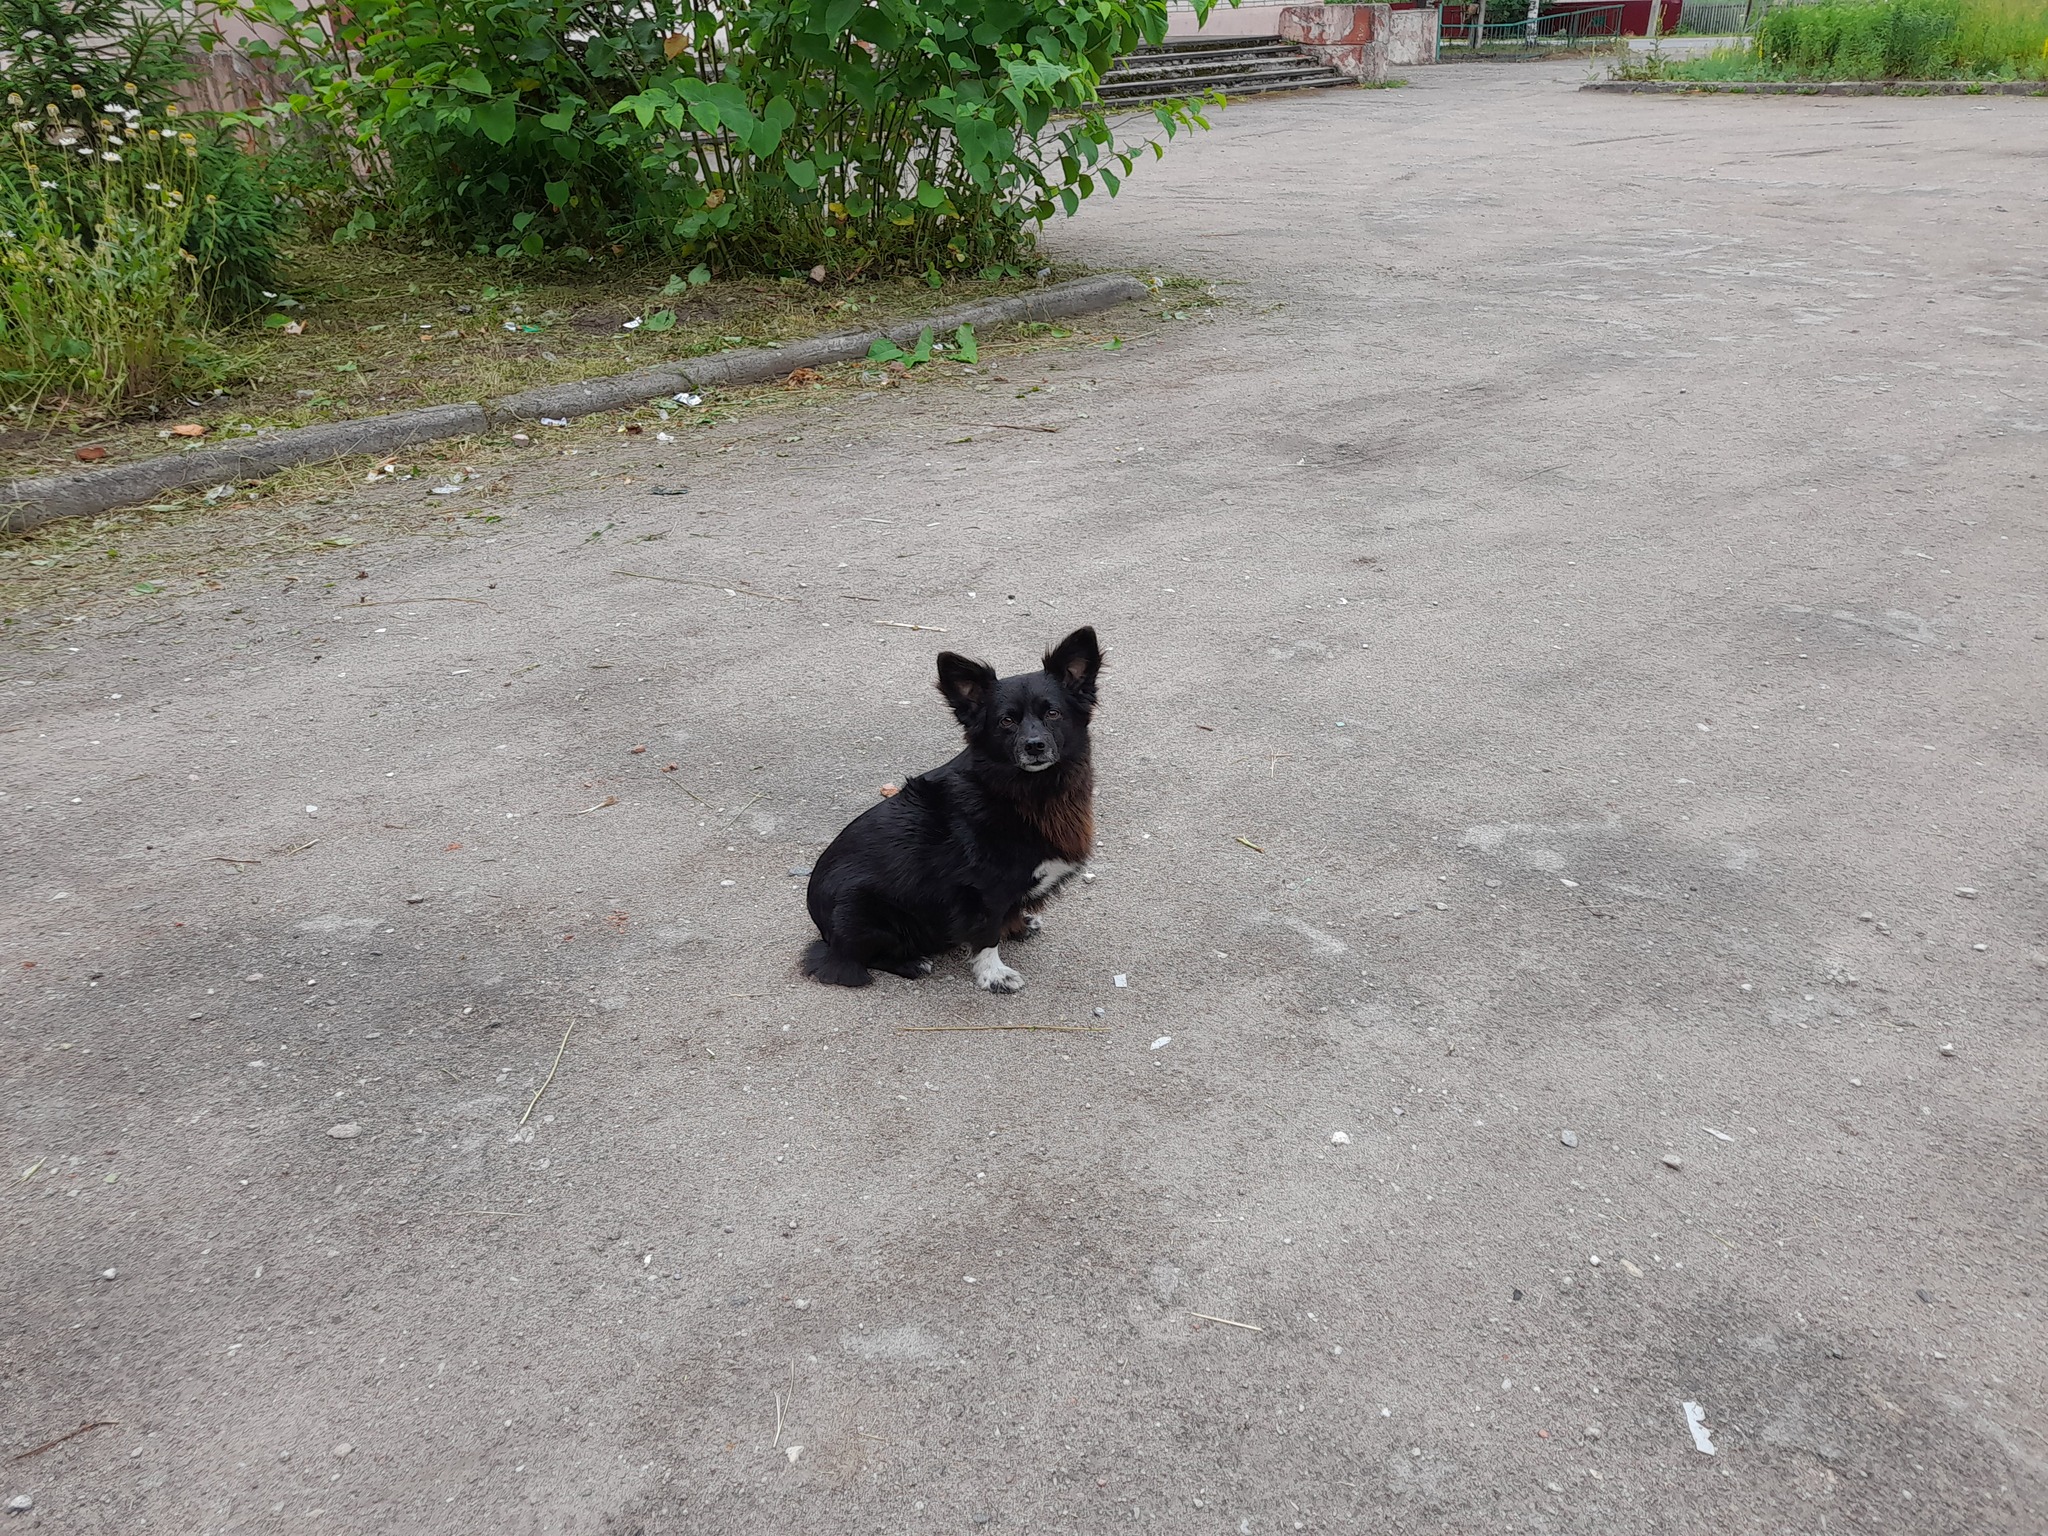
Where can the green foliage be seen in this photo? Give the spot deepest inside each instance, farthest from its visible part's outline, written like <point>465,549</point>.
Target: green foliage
<point>83,66</point>
<point>234,233</point>
<point>900,135</point>
<point>1861,40</point>
<point>2004,37</point>
<point>83,54</point>
<point>1880,40</point>
<point>99,297</point>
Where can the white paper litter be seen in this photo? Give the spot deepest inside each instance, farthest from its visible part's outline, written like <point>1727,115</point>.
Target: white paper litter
<point>1696,1421</point>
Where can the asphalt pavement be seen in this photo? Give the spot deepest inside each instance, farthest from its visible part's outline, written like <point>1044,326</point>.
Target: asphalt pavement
<point>1566,939</point>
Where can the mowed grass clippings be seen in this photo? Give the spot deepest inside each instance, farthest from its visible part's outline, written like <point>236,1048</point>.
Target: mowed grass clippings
<point>383,330</point>
<point>321,523</point>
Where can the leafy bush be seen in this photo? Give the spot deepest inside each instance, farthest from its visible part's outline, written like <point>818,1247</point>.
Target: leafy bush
<point>99,296</point>
<point>863,134</point>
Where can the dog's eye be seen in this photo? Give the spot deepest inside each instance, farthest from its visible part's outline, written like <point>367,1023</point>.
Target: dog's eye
<point>1052,714</point>
<point>1009,719</point>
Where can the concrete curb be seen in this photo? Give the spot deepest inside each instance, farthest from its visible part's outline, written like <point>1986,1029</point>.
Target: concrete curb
<point>26,504</point>
<point>1821,87</point>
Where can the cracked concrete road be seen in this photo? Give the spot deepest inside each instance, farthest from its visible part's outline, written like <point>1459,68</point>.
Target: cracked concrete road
<point>1597,562</point>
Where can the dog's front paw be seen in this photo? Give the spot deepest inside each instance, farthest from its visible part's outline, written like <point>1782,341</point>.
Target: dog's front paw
<point>991,975</point>
<point>1034,923</point>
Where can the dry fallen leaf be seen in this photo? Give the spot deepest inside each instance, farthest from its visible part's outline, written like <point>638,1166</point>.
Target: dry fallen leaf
<point>802,376</point>
<point>675,43</point>
<point>188,429</point>
<point>887,790</point>
<point>91,455</point>
<point>294,328</point>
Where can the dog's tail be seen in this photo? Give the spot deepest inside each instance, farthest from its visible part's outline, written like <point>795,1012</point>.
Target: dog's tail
<point>834,969</point>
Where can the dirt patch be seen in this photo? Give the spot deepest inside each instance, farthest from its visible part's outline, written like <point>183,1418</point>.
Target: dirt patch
<point>386,330</point>
<point>322,520</point>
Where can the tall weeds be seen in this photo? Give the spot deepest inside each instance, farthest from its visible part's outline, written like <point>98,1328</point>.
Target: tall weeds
<point>1878,40</point>
<point>1905,39</point>
<point>2004,37</point>
<point>99,299</point>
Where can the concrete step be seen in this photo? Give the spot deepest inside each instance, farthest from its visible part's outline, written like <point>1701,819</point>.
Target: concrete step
<point>1176,69</point>
<point>1236,66</point>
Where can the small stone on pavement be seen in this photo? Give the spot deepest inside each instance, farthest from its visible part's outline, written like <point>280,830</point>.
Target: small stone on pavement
<point>347,1131</point>
<point>1569,1138</point>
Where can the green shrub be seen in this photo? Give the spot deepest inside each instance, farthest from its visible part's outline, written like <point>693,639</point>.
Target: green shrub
<point>894,135</point>
<point>236,229</point>
<point>99,297</point>
<point>82,54</point>
<point>94,60</point>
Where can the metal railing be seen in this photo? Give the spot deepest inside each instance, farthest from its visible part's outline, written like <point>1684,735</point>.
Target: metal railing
<point>1716,18</point>
<point>1554,29</point>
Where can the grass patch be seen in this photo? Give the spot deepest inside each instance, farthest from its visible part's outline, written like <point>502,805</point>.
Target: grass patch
<point>322,523</point>
<point>381,330</point>
<point>1876,40</point>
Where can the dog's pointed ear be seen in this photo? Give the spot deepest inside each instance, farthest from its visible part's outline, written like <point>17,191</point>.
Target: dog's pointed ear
<point>967,685</point>
<point>1074,662</point>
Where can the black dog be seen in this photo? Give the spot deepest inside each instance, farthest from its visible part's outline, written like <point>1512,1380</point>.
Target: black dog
<point>964,854</point>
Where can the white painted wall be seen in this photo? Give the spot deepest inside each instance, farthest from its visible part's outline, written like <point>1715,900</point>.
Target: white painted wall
<point>1224,21</point>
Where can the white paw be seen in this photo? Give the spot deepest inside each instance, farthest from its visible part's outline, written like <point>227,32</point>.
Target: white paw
<point>991,975</point>
<point>924,967</point>
<point>1034,923</point>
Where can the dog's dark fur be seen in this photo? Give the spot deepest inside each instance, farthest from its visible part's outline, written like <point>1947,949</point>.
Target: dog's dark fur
<point>964,854</point>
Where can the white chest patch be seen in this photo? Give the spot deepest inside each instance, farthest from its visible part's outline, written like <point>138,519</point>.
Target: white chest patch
<point>1048,875</point>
